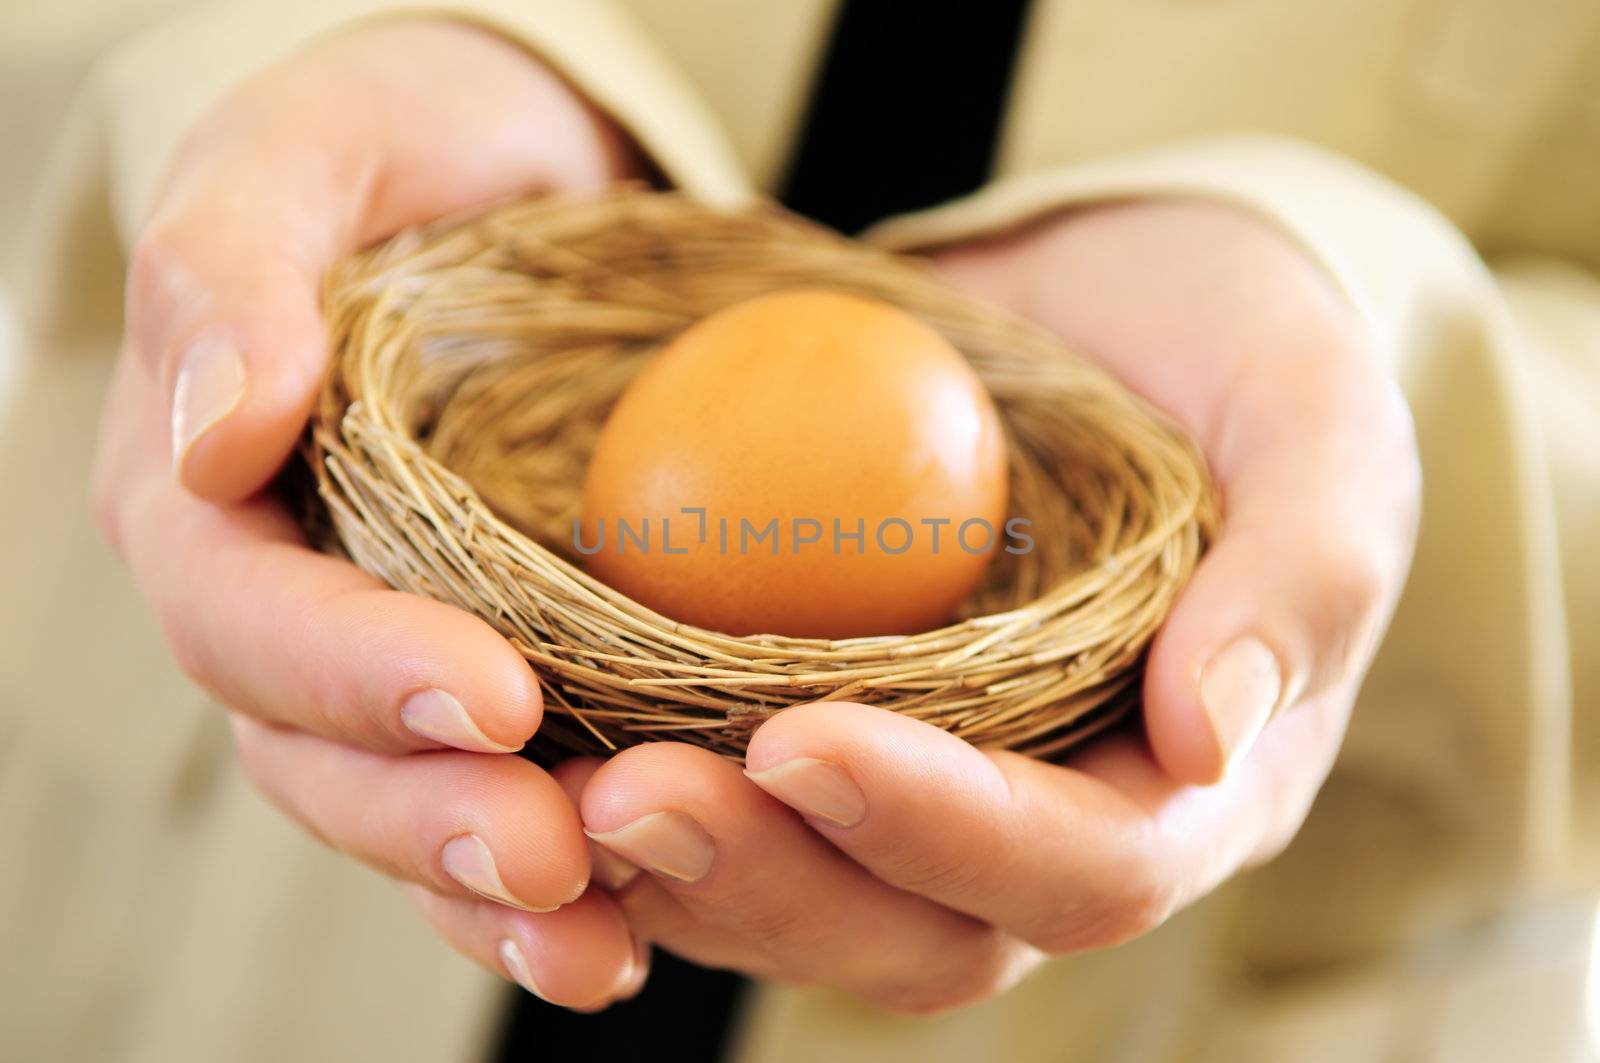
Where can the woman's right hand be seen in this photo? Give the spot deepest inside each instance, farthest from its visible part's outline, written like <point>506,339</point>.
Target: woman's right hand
<point>381,721</point>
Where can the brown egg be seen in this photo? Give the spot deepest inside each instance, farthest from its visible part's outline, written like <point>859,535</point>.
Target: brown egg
<point>805,463</point>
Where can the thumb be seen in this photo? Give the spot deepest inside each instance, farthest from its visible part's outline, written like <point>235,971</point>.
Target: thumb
<point>224,311</point>
<point>395,124</point>
<point>1289,604</point>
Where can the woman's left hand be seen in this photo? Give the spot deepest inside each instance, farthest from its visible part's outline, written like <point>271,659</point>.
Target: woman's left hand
<point>880,855</point>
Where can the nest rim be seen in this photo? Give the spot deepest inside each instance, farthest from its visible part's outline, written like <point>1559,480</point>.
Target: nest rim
<point>426,326</point>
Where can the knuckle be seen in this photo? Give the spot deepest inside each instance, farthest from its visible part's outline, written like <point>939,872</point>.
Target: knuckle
<point>156,266</point>
<point>775,928</point>
<point>1347,573</point>
<point>979,971</point>
<point>1124,910</point>
<point>1148,905</point>
<point>1352,593</point>
<point>1356,582</point>
<point>159,275</point>
<point>330,706</point>
<point>339,701</point>
<point>935,872</point>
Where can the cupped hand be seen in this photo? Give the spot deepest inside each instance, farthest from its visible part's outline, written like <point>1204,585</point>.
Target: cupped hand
<point>880,855</point>
<point>373,717</point>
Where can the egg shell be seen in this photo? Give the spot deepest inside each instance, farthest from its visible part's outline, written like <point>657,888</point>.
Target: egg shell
<point>800,409</point>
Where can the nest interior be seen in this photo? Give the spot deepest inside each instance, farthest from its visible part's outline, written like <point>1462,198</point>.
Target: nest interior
<point>474,361</point>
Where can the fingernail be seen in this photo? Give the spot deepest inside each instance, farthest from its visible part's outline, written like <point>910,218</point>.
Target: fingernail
<point>468,860</point>
<point>209,386</point>
<point>668,843</point>
<point>437,716</point>
<point>516,965</point>
<point>815,788</point>
<point>608,870</point>
<point>1239,688</point>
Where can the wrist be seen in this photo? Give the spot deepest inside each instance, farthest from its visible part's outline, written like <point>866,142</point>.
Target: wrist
<point>1163,282</point>
<point>581,144</point>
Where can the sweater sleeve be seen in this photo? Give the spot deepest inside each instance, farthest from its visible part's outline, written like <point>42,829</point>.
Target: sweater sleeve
<point>1453,787</point>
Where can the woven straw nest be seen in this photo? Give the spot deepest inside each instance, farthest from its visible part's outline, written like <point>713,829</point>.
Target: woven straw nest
<point>473,363</point>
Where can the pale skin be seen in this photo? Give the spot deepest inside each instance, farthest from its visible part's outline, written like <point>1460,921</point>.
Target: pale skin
<point>911,869</point>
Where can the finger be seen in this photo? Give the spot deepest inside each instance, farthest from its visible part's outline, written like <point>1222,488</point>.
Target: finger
<point>295,637</point>
<point>607,870</point>
<point>656,915</point>
<point>633,985</point>
<point>309,160</point>
<point>742,863</point>
<point>1320,512</point>
<point>1268,367</point>
<point>580,957</point>
<point>1063,858</point>
<point>458,823</point>
<point>571,776</point>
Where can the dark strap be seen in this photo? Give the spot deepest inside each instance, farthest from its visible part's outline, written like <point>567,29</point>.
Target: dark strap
<point>905,114</point>
<point>685,1012</point>
<point>907,108</point>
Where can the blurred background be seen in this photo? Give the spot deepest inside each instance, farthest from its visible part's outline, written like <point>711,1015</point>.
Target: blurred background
<point>46,50</point>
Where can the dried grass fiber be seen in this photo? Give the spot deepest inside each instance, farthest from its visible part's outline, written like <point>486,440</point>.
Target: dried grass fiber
<point>474,361</point>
